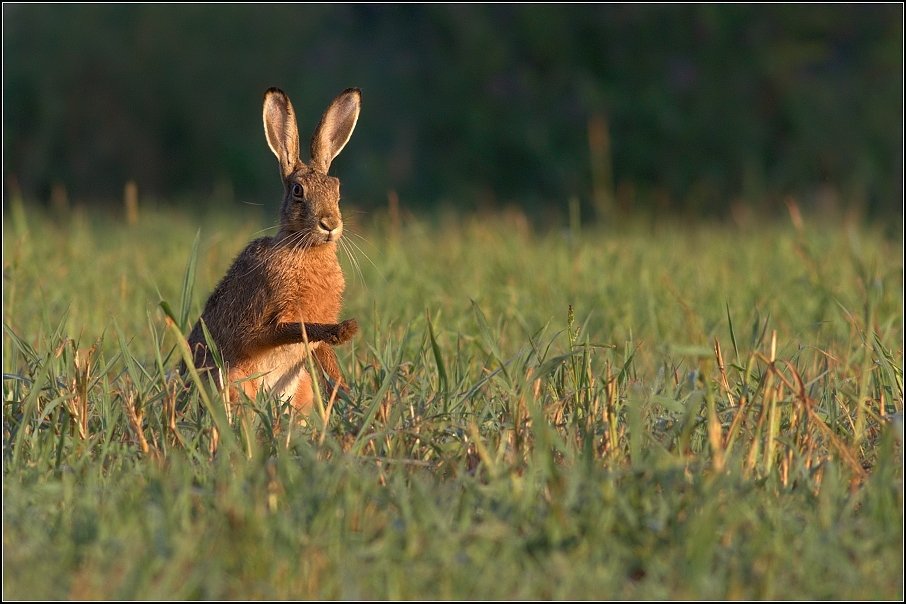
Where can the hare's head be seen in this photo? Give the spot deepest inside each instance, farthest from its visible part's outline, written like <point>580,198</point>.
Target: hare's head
<point>310,214</point>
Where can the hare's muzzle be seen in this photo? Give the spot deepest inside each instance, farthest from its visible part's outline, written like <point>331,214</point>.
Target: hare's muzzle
<point>331,227</point>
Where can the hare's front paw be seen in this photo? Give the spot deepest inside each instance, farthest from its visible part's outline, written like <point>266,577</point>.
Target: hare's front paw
<point>346,330</point>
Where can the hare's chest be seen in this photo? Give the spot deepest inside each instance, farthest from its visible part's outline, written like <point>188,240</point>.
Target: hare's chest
<point>315,298</point>
<point>284,368</point>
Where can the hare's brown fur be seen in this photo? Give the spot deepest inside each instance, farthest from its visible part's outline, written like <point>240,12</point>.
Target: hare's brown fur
<point>256,313</point>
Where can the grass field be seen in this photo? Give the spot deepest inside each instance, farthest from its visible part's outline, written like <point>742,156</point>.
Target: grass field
<point>648,410</point>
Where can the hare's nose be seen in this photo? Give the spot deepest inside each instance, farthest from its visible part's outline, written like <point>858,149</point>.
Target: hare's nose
<point>332,225</point>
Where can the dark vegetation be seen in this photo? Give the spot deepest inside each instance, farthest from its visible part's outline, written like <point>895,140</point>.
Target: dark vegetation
<point>670,108</point>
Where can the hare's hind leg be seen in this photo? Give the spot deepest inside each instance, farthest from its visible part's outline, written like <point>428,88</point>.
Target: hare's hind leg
<point>304,395</point>
<point>239,381</point>
<point>327,359</point>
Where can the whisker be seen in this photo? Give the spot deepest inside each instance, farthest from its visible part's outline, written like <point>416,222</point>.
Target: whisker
<point>354,261</point>
<point>361,251</point>
<point>354,234</point>
<point>367,257</point>
<point>265,229</point>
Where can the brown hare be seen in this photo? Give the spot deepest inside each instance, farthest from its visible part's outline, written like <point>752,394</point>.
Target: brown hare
<point>276,284</point>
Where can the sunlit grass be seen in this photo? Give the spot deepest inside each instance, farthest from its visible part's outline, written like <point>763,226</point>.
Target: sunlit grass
<point>634,411</point>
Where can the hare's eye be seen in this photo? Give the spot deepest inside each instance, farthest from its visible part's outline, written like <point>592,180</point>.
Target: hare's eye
<point>297,190</point>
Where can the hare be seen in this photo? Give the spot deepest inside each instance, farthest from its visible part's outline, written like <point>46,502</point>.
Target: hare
<point>256,313</point>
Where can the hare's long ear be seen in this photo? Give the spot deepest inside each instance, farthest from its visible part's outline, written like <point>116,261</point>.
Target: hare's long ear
<point>335,128</point>
<point>281,130</point>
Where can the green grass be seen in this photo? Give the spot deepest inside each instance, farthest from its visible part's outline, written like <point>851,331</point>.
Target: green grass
<point>650,411</point>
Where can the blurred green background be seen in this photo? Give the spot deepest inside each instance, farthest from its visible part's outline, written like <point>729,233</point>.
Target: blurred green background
<point>690,109</point>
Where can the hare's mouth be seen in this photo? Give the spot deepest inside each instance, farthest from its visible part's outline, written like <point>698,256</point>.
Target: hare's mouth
<point>332,236</point>
<point>329,230</point>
